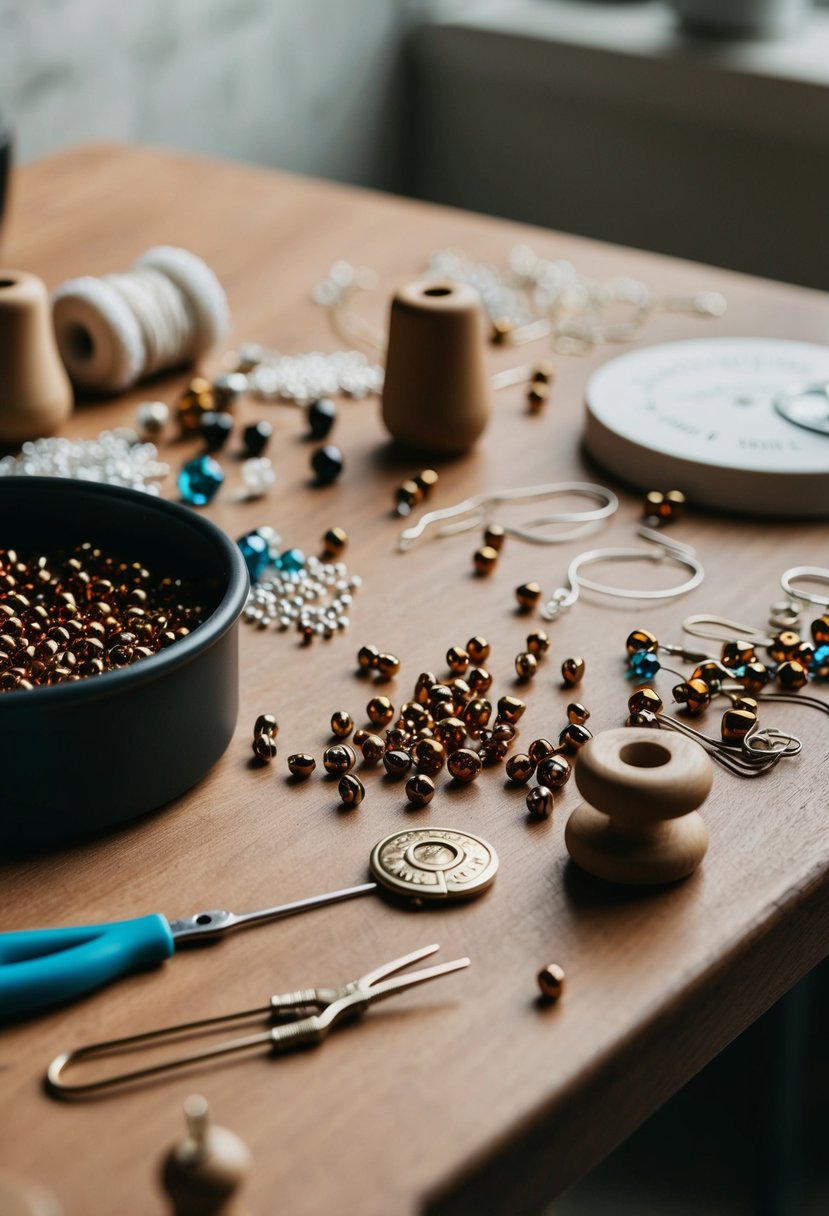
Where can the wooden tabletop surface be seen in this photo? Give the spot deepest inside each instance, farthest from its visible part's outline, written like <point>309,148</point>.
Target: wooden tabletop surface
<point>464,1096</point>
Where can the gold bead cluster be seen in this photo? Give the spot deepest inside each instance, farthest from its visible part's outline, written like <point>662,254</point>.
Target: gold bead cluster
<point>414,490</point>
<point>83,612</point>
<point>549,763</point>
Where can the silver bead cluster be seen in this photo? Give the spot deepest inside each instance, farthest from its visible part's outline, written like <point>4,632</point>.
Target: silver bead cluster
<point>307,377</point>
<point>315,600</point>
<point>114,457</point>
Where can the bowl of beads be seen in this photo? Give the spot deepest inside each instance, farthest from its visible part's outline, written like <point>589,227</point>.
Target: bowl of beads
<point>118,654</point>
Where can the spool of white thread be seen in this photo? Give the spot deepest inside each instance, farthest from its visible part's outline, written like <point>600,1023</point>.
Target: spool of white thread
<point>113,331</point>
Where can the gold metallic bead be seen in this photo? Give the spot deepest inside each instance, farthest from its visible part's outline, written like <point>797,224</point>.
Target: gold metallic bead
<point>538,643</point>
<point>427,479</point>
<point>476,714</point>
<point>301,765</point>
<point>367,657</point>
<point>540,802</point>
<point>551,981</point>
<point>520,768</point>
<point>479,680</point>
<point>446,709</point>
<point>805,654</point>
<point>428,756</point>
<point>747,703</point>
<point>792,675</point>
<point>351,790</point>
<point>341,724</point>
<point>539,749</point>
<point>510,709</point>
<point>737,654</point>
<point>457,660</point>
<point>538,394</point>
<point>735,725</point>
<point>755,677</point>
<point>464,764</point>
<point>553,772</point>
<point>334,543</point>
<point>380,711</point>
<point>397,763</point>
<point>712,673</point>
<point>359,737</point>
<point>451,732</point>
<point>644,717</point>
<point>572,671</point>
<point>265,724</point>
<point>426,681</point>
<point>373,749</point>
<point>338,759</point>
<point>407,496</point>
<point>485,560</point>
<point>398,738</point>
<point>504,730</point>
<point>501,331</point>
<point>461,691</point>
<point>527,596</point>
<point>440,694</point>
<point>577,713</point>
<point>542,371</point>
<point>194,402</point>
<point>478,649</point>
<point>420,789</point>
<point>783,645</point>
<point>526,665</point>
<point>493,748</point>
<point>644,698</point>
<point>574,737</point>
<point>641,639</point>
<point>416,717</point>
<point>694,694</point>
<point>264,748</point>
<point>388,665</point>
<point>494,536</point>
<point>820,631</point>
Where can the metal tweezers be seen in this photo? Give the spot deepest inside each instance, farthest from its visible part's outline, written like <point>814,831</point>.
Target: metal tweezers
<point>308,1029</point>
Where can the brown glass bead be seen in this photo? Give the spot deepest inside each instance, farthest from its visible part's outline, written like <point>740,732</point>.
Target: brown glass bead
<point>341,724</point>
<point>540,802</point>
<point>694,694</point>
<point>712,673</point>
<point>805,654</point>
<point>338,759</point>
<point>367,657</point>
<point>407,496</point>
<point>639,640</point>
<point>265,724</point>
<point>373,749</point>
<point>485,560</point>
<point>538,643</point>
<point>334,543</point>
<point>493,749</point>
<point>783,645</point>
<point>755,677</point>
<point>451,732</point>
<point>735,725</point>
<point>526,665</point>
<point>577,713</point>
<point>510,709</point>
<point>264,748</point>
<point>398,738</point>
<point>479,680</point>
<point>494,537</point>
<point>441,694</point>
<point>426,681</point>
<point>461,691</point>
<point>194,402</point>
<point>553,772</point>
<point>388,665</point>
<point>420,790</point>
<point>476,714</point>
<point>416,717</point>
<point>457,660</point>
<point>572,671</point>
<point>538,394</point>
<point>819,629</point>
<point>550,980</point>
<point>792,675</point>
<point>427,479</point>
<point>520,768</point>
<point>301,765</point>
<point>573,737</point>
<point>737,654</point>
<point>351,790</point>
<point>359,737</point>
<point>464,765</point>
<point>527,596</point>
<point>428,756</point>
<point>478,649</point>
<point>539,749</point>
<point>643,698</point>
<point>446,709</point>
<point>397,763</point>
<point>380,711</point>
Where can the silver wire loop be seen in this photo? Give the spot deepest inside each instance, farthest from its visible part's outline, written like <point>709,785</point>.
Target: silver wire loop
<point>666,550</point>
<point>721,629</point>
<point>817,573</point>
<point>476,511</point>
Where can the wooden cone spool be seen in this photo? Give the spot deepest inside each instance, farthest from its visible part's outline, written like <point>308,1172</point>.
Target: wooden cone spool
<point>35,393</point>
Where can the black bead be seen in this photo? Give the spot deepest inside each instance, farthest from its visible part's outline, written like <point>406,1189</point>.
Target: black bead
<point>215,430</point>
<point>256,438</point>
<point>327,463</point>
<point>322,415</point>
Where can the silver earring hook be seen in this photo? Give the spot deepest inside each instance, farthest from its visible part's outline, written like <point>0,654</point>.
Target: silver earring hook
<point>721,629</point>
<point>665,549</point>
<point>816,573</point>
<point>472,512</point>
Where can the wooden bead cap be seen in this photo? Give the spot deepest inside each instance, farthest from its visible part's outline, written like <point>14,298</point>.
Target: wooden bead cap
<point>641,825</point>
<point>436,395</point>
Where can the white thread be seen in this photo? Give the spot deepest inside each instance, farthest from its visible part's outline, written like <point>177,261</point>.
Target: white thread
<point>115,330</point>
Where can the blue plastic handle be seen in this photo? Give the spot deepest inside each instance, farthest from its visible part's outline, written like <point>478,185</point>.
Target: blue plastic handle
<point>42,967</point>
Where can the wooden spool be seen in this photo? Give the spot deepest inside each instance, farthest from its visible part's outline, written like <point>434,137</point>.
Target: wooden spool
<point>204,1172</point>
<point>641,826</point>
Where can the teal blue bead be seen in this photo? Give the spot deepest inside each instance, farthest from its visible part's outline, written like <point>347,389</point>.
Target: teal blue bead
<point>291,561</point>
<point>820,665</point>
<point>254,549</point>
<point>199,480</point>
<point>644,664</point>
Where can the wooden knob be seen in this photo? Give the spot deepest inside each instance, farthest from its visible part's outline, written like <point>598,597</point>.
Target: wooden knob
<point>641,825</point>
<point>204,1172</point>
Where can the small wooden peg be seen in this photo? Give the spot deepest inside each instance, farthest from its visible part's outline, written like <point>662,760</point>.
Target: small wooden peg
<point>203,1172</point>
<point>641,826</point>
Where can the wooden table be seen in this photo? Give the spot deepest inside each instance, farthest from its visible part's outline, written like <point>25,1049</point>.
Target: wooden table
<point>464,1096</point>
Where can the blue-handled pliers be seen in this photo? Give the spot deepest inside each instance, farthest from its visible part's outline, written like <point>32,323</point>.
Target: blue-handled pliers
<point>43,967</point>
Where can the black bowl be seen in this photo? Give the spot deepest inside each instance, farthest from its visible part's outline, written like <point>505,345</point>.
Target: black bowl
<point>83,757</point>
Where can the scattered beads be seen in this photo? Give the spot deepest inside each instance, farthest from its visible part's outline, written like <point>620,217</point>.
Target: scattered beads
<point>256,437</point>
<point>196,400</point>
<point>428,756</point>
<point>510,709</point>
<point>572,671</point>
<point>527,596</point>
<point>526,665</point>
<point>334,543</point>
<point>265,724</point>
<point>464,765</point>
<point>380,711</point>
<point>151,417</point>
<point>301,765</point>
<point>199,480</point>
<point>341,724</point>
<point>397,763</point>
<point>351,790</point>
<point>373,750</point>
<point>254,549</point>
<point>551,982</point>
<point>338,759</point>
<point>540,802</point>
<point>322,415</point>
<point>478,649</point>
<point>411,492</point>
<point>420,790</point>
<point>308,377</point>
<point>539,750</point>
<point>306,593</point>
<point>114,457</point>
<point>327,463</point>
<point>553,772</point>
<point>520,768</point>
<point>485,560</point>
<point>258,475</point>
<point>577,713</point>
<point>574,737</point>
<point>264,748</point>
